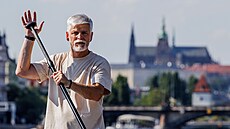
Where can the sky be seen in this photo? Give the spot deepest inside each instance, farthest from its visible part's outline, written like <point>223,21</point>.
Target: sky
<point>195,23</point>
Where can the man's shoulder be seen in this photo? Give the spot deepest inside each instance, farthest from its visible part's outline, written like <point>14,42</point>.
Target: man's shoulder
<point>59,57</point>
<point>60,54</point>
<point>98,57</point>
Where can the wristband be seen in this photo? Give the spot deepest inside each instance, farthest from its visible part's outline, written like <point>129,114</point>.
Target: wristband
<point>30,38</point>
<point>70,83</point>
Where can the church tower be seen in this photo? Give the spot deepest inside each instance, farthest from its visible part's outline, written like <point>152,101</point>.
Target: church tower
<point>202,95</point>
<point>164,53</point>
<point>7,68</point>
<point>132,47</point>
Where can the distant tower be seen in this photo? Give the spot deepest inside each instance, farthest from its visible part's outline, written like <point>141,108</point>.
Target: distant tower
<point>173,38</point>
<point>163,35</point>
<point>164,54</point>
<point>132,48</point>
<point>202,95</point>
<point>7,68</point>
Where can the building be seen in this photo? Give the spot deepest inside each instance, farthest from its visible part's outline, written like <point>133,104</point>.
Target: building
<point>7,68</point>
<point>7,71</point>
<point>7,76</point>
<point>202,95</point>
<point>205,96</point>
<point>146,61</point>
<point>164,54</point>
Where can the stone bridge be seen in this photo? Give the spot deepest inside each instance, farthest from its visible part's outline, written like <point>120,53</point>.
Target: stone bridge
<point>170,118</point>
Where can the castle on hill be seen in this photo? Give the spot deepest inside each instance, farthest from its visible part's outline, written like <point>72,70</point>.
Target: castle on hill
<point>147,61</point>
<point>163,54</point>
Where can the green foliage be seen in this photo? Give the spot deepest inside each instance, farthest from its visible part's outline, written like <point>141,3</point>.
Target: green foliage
<point>191,83</point>
<point>120,93</point>
<point>159,91</point>
<point>153,98</point>
<point>189,89</point>
<point>153,82</point>
<point>162,87</point>
<point>30,104</point>
<point>14,92</point>
<point>165,86</point>
<point>111,100</point>
<point>123,90</point>
<point>178,89</point>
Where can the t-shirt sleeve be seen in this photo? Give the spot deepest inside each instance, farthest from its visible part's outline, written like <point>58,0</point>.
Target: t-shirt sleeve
<point>42,69</point>
<point>103,75</point>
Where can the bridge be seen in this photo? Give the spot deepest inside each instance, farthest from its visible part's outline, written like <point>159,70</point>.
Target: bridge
<point>170,117</point>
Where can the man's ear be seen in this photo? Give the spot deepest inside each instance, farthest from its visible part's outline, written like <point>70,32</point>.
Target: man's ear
<point>67,36</point>
<point>91,38</point>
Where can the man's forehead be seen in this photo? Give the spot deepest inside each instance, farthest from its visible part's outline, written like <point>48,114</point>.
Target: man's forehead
<point>81,26</point>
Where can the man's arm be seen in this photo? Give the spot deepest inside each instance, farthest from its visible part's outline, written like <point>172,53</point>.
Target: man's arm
<point>24,67</point>
<point>92,92</point>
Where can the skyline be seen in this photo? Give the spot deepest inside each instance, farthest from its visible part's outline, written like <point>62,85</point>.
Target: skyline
<point>196,23</point>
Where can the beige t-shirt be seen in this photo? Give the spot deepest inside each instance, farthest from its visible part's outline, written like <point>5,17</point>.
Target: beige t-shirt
<point>87,70</point>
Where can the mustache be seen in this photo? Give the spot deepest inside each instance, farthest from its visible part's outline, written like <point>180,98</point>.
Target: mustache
<point>80,42</point>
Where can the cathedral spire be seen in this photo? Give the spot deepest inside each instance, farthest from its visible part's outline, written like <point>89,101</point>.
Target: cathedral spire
<point>3,39</point>
<point>163,25</point>
<point>163,34</point>
<point>132,47</point>
<point>173,38</point>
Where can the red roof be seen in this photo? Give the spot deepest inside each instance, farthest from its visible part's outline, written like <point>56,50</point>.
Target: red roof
<point>202,85</point>
<point>210,68</point>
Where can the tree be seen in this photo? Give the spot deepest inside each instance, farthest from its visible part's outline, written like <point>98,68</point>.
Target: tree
<point>163,88</point>
<point>179,87</point>
<point>164,83</point>
<point>13,92</point>
<point>159,91</point>
<point>120,92</point>
<point>123,90</point>
<point>111,99</point>
<point>153,82</point>
<point>153,98</point>
<point>30,103</point>
<point>189,89</point>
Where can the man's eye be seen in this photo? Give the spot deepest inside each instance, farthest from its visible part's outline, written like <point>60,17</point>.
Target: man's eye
<point>84,33</point>
<point>75,33</point>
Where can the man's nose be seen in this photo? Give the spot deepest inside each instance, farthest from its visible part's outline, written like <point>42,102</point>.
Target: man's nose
<point>79,36</point>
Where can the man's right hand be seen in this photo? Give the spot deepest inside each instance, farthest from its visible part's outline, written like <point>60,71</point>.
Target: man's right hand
<point>24,67</point>
<point>27,18</point>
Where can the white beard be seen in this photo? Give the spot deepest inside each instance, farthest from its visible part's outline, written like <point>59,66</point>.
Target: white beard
<point>80,46</point>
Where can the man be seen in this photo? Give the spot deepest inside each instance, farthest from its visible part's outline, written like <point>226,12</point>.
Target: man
<point>86,75</point>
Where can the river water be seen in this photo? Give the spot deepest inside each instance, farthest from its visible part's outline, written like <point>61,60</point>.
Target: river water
<point>216,125</point>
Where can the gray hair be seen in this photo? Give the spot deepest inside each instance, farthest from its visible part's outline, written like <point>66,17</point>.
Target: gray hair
<point>79,19</point>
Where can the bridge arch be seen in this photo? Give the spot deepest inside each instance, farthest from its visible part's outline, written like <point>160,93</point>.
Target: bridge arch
<point>174,117</point>
<point>186,117</point>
